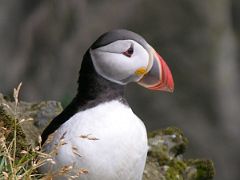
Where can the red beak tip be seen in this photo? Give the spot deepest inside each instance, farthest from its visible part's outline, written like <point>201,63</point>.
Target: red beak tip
<point>168,89</point>
<point>170,86</point>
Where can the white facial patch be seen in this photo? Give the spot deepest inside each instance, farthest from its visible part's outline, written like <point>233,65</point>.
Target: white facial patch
<point>110,62</point>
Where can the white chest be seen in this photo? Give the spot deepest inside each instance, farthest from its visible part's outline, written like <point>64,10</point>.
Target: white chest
<point>109,141</point>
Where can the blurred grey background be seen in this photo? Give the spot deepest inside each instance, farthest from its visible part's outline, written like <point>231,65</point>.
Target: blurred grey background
<point>42,44</point>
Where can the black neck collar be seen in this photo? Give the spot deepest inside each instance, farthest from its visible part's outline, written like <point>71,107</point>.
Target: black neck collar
<point>93,88</point>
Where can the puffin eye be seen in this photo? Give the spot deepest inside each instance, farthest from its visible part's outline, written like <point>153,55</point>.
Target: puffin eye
<point>129,52</point>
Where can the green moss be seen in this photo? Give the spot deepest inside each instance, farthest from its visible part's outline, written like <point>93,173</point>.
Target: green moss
<point>205,169</point>
<point>172,130</point>
<point>167,131</point>
<point>152,134</point>
<point>180,166</point>
<point>160,153</point>
<point>176,170</point>
<point>173,174</point>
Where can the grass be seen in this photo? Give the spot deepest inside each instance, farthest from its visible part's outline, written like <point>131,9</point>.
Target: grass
<point>18,160</point>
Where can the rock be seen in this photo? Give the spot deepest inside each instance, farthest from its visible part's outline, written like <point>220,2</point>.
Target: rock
<point>165,158</point>
<point>166,147</point>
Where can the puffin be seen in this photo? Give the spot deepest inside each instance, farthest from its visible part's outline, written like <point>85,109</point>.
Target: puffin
<point>98,136</point>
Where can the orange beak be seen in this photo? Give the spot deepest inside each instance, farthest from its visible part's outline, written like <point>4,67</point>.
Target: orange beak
<point>159,76</point>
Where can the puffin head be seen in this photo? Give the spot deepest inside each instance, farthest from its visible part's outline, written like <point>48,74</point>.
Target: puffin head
<point>122,56</point>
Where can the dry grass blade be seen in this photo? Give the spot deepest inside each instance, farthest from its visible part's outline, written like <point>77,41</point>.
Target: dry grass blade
<point>75,151</point>
<point>16,92</point>
<point>25,120</point>
<point>82,171</point>
<point>89,137</point>
<point>65,170</point>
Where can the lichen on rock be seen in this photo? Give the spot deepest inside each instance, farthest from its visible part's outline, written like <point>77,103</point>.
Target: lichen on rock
<point>165,158</point>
